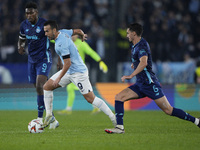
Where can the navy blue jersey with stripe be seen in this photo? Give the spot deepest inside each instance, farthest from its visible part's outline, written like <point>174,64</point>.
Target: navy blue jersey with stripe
<point>38,43</point>
<point>137,51</point>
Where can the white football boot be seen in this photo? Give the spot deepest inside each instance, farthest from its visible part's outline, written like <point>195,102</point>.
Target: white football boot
<point>115,130</point>
<point>54,125</point>
<point>48,120</point>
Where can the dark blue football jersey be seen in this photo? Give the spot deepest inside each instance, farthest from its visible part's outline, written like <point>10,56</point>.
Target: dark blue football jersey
<point>137,51</point>
<point>38,43</point>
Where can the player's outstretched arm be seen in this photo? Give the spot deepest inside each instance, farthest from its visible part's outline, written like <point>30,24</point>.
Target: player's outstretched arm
<point>94,55</point>
<point>21,46</point>
<point>80,32</point>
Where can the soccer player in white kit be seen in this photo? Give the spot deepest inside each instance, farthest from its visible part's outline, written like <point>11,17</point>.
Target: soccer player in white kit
<point>74,70</point>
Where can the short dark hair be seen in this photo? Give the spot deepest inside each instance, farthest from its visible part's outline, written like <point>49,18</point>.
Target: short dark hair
<point>52,24</point>
<point>31,5</point>
<point>137,28</point>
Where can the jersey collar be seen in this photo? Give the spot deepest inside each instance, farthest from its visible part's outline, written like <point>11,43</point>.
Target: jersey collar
<point>138,42</point>
<point>33,24</point>
<point>58,35</point>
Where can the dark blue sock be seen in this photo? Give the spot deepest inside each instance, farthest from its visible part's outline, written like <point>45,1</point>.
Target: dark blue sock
<point>183,115</point>
<point>119,111</point>
<point>40,102</point>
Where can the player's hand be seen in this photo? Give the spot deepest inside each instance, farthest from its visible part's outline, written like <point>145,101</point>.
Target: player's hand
<point>125,77</point>
<point>132,66</point>
<point>84,37</point>
<point>55,82</point>
<point>103,67</point>
<point>21,50</point>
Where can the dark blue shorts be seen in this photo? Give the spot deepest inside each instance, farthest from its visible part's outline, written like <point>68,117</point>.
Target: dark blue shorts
<point>35,69</point>
<point>153,90</point>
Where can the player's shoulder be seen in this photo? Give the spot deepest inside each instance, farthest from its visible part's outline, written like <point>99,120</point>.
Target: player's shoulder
<point>67,31</point>
<point>63,31</point>
<point>143,44</point>
<point>64,35</point>
<point>61,39</point>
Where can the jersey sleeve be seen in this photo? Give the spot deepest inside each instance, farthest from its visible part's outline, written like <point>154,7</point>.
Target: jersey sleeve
<point>66,31</point>
<point>89,51</point>
<point>141,53</point>
<point>21,33</point>
<point>64,49</point>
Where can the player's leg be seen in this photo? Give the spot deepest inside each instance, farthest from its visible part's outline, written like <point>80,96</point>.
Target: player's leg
<point>99,103</point>
<point>42,71</point>
<point>95,110</point>
<point>124,95</point>
<point>48,96</point>
<point>85,87</point>
<point>172,111</point>
<point>48,100</point>
<point>71,96</point>
<point>33,78</point>
<point>154,91</point>
<point>40,81</point>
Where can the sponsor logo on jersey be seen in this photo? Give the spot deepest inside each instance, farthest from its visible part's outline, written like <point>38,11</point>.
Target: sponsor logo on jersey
<point>34,37</point>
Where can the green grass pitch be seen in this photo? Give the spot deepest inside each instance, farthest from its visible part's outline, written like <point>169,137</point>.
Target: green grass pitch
<point>144,130</point>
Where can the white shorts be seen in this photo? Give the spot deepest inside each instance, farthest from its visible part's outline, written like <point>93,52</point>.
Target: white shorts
<point>81,80</point>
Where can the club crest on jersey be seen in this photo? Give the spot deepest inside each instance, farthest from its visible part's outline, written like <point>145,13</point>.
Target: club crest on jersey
<point>38,29</point>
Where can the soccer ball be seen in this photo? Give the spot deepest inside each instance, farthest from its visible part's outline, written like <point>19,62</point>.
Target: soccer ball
<point>35,126</point>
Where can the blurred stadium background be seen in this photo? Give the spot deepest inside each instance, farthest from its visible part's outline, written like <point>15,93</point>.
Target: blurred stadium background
<point>170,26</point>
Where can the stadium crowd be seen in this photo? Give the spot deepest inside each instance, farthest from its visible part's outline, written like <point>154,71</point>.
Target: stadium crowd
<point>171,26</point>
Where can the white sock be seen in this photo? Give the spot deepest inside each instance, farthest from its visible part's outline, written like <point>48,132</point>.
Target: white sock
<point>103,107</point>
<point>196,121</point>
<point>48,101</point>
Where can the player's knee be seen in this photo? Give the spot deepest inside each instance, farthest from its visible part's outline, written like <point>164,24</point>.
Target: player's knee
<point>45,87</point>
<point>118,97</point>
<point>90,100</point>
<point>39,89</point>
<point>89,97</point>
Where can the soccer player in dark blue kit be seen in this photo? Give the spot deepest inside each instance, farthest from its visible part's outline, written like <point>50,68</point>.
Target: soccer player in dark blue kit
<point>39,55</point>
<point>146,85</point>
